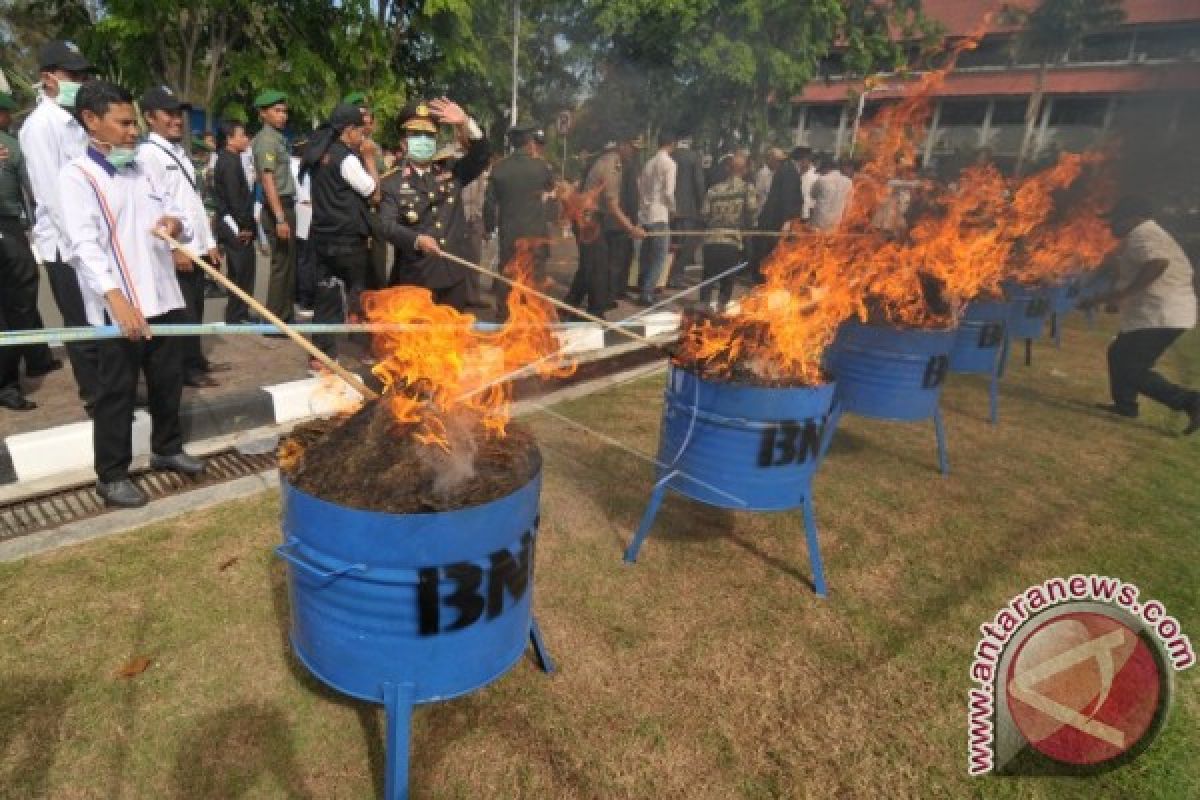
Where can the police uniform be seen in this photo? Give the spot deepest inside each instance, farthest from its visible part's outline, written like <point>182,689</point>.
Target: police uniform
<point>593,280</point>
<point>515,201</point>
<point>419,200</point>
<point>271,155</point>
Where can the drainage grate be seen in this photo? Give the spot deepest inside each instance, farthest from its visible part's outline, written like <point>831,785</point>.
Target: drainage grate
<point>53,509</point>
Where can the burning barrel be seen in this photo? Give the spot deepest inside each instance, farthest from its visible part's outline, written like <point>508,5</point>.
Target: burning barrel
<point>743,447</point>
<point>1030,305</point>
<point>891,373</point>
<point>979,346</point>
<point>410,608</point>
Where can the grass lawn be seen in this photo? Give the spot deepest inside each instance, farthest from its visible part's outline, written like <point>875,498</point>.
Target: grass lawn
<point>709,670</point>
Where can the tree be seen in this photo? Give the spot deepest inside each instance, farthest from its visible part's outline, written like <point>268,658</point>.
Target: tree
<point>1049,32</point>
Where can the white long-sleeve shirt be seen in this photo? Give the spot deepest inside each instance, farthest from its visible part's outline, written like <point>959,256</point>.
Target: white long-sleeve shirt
<point>109,223</point>
<point>657,189</point>
<point>172,171</point>
<point>807,181</point>
<point>50,139</point>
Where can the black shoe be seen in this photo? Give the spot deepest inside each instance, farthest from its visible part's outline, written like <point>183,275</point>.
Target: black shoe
<point>644,301</point>
<point>611,306</point>
<point>122,494</point>
<point>676,285</point>
<point>50,366</point>
<point>199,380</point>
<point>1112,408</point>
<point>217,366</point>
<point>180,462</point>
<point>17,402</point>
<point>1193,419</point>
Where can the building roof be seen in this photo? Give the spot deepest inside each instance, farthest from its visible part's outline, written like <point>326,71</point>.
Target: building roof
<point>963,17</point>
<point>1022,81</point>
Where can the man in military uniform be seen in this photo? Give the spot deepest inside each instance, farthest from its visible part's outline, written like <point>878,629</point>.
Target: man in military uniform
<point>18,272</point>
<point>516,196</point>
<point>375,276</point>
<point>273,166</point>
<point>422,215</point>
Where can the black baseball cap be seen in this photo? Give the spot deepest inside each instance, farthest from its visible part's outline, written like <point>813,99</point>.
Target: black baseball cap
<point>344,115</point>
<point>62,54</point>
<point>161,98</point>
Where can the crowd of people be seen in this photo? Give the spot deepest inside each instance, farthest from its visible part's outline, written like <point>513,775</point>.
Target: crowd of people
<point>108,205</point>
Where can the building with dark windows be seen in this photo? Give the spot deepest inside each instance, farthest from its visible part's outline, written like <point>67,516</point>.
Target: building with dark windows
<point>1143,76</point>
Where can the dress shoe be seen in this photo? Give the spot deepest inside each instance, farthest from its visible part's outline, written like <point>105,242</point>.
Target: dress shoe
<point>16,402</point>
<point>1193,419</point>
<point>180,462</point>
<point>50,366</point>
<point>217,366</point>
<point>199,380</point>
<point>122,494</point>
<point>1112,408</point>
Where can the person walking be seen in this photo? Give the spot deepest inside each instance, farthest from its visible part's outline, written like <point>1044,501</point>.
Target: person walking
<point>235,216</point>
<point>51,138</point>
<point>729,208</point>
<point>344,180</point>
<point>514,204</point>
<point>657,195</point>
<point>163,156</point>
<point>126,277</point>
<point>272,163</point>
<point>1156,296</point>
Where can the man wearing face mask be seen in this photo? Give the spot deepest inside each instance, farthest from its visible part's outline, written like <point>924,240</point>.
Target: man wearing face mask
<point>50,138</point>
<point>127,278</point>
<point>422,215</point>
<point>172,169</point>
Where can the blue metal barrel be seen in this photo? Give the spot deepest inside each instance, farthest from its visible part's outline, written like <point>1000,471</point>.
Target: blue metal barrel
<point>739,446</point>
<point>1030,306</point>
<point>980,338</point>
<point>890,373</point>
<point>1064,297</point>
<point>382,598</point>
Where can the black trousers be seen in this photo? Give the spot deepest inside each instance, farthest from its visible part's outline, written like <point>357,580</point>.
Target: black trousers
<point>340,270</point>
<point>620,262</point>
<point>685,246</point>
<point>192,285</point>
<point>591,282</point>
<point>1131,359</point>
<point>84,356</point>
<point>541,254</point>
<point>306,274</point>
<point>241,267</point>
<point>281,286</point>
<point>454,296</point>
<point>18,303</point>
<point>717,259</point>
<point>120,361</point>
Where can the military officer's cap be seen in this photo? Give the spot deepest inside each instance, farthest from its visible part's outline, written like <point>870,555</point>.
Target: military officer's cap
<point>356,99</point>
<point>529,127</point>
<point>7,103</point>
<point>418,118</point>
<point>269,97</point>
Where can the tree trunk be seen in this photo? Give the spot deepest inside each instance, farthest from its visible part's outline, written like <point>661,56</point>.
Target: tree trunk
<point>1032,112</point>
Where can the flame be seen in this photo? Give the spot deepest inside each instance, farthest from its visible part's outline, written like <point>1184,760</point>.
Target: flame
<point>907,251</point>
<point>578,209</point>
<point>443,366</point>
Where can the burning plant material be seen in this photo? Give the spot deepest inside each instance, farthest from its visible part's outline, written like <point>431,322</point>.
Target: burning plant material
<point>440,437</point>
<point>908,252</point>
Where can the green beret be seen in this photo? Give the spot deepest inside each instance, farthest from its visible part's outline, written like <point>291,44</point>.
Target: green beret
<point>7,103</point>
<point>269,97</point>
<point>355,99</point>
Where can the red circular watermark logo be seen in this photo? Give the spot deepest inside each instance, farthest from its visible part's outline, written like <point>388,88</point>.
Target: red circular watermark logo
<point>1084,688</point>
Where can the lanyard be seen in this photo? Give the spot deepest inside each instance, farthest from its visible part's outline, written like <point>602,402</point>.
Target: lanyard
<point>191,181</point>
<point>118,254</point>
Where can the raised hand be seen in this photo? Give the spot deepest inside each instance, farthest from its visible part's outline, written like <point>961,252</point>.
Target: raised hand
<point>447,111</point>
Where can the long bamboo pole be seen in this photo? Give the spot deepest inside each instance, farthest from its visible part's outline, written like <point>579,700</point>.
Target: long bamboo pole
<point>346,375</point>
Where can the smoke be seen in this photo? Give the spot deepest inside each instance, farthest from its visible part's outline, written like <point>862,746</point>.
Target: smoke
<point>453,466</point>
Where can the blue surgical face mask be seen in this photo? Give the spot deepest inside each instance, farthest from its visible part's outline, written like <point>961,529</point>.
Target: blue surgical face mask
<point>422,148</point>
<point>66,93</point>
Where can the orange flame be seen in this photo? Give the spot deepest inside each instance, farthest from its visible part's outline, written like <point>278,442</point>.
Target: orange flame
<point>444,366</point>
<point>578,209</point>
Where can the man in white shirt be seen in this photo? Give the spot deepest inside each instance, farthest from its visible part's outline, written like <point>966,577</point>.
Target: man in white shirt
<point>126,277</point>
<point>171,169</point>
<point>830,197</point>
<point>50,138</point>
<point>657,190</point>
<point>1157,299</point>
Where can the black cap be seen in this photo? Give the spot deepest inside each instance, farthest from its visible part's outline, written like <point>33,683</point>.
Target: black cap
<point>161,98</point>
<point>62,54</point>
<point>344,115</point>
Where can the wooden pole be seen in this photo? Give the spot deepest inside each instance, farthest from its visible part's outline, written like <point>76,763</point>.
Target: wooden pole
<point>346,375</point>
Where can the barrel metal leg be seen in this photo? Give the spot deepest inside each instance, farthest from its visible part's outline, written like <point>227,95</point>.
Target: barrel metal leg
<point>398,702</point>
<point>940,430</point>
<point>1056,329</point>
<point>656,498</point>
<point>814,548</point>
<point>1029,352</point>
<point>994,396</point>
<point>1005,348</point>
<point>539,649</point>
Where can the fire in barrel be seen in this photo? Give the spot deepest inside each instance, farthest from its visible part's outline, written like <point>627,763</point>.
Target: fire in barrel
<point>410,525</point>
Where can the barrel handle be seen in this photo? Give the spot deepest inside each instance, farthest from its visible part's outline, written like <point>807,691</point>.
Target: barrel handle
<point>284,551</point>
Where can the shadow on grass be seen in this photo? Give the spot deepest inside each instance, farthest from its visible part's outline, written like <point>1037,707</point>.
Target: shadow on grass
<point>225,754</point>
<point>32,710</point>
